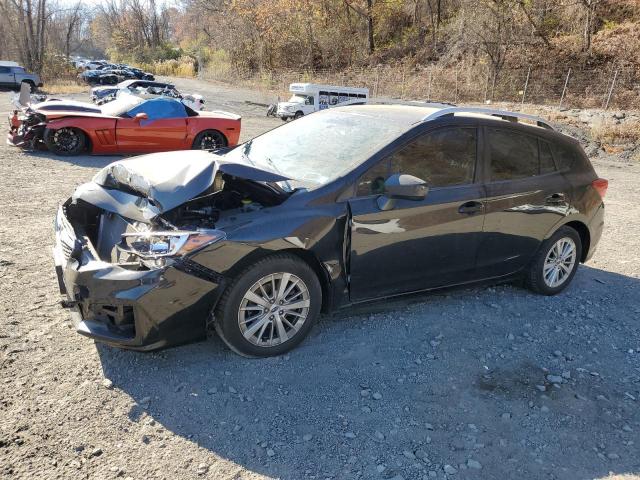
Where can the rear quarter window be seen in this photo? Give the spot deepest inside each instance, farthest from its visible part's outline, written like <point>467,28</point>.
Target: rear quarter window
<point>565,156</point>
<point>547,164</point>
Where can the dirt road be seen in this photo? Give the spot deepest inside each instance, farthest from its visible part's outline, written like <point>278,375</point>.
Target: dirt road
<point>483,382</point>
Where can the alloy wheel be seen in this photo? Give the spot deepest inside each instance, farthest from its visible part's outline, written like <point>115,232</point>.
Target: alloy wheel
<point>274,309</point>
<point>559,262</point>
<point>210,141</point>
<point>66,139</point>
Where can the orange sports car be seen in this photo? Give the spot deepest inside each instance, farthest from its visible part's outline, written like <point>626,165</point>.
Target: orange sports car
<point>127,125</point>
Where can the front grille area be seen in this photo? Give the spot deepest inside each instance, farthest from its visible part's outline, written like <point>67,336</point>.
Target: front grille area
<point>119,318</point>
<point>193,268</point>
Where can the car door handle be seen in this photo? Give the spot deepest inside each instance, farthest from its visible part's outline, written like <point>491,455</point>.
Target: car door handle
<point>555,198</point>
<point>471,208</point>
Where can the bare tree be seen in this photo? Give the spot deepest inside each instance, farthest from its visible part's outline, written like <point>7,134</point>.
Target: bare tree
<point>367,14</point>
<point>495,33</point>
<point>590,9</point>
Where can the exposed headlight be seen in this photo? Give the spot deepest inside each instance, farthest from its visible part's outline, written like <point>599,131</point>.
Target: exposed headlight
<point>157,245</point>
<point>289,108</point>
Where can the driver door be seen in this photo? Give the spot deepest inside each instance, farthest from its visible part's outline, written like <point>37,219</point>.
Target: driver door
<point>419,244</point>
<point>164,129</point>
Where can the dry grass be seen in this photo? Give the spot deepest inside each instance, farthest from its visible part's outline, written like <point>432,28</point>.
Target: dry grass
<point>616,134</point>
<point>182,67</point>
<point>64,87</point>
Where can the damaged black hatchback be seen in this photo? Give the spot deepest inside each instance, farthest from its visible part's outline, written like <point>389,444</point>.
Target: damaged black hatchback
<point>346,205</point>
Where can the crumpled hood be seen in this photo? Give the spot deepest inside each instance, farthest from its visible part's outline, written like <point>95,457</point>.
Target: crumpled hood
<point>143,187</point>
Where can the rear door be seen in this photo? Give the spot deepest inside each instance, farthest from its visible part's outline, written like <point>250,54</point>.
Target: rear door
<point>526,197</point>
<point>165,128</point>
<point>419,244</point>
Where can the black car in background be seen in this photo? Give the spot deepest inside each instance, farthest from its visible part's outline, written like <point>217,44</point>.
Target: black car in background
<point>344,206</point>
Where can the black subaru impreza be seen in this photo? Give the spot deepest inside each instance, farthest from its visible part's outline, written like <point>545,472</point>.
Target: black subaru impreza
<point>343,206</point>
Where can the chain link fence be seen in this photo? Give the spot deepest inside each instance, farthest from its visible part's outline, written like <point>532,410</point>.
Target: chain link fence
<point>616,87</point>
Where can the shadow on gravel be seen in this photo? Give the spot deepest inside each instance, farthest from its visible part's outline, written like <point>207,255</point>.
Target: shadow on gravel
<point>458,378</point>
<point>86,160</point>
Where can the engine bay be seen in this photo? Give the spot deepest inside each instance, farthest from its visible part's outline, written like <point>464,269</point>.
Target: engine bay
<point>121,240</point>
<point>227,196</point>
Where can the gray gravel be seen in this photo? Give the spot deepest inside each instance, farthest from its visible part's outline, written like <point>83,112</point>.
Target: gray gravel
<point>483,382</point>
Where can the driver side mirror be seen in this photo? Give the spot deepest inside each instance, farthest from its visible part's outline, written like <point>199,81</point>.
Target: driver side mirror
<point>402,186</point>
<point>141,116</point>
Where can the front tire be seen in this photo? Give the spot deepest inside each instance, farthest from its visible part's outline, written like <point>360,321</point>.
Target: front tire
<point>66,141</point>
<point>556,262</point>
<point>298,115</point>
<point>209,140</point>
<point>270,307</point>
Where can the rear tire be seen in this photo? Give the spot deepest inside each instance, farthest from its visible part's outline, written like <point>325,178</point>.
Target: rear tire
<point>556,262</point>
<point>66,141</point>
<point>270,307</point>
<point>209,140</point>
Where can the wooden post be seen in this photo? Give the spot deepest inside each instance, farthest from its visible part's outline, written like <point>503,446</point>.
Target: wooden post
<point>455,100</point>
<point>375,87</point>
<point>402,91</point>
<point>486,88</point>
<point>429,87</point>
<point>526,84</point>
<point>615,76</point>
<point>564,89</point>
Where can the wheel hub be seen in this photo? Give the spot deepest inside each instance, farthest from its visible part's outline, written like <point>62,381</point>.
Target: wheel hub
<point>274,309</point>
<point>559,262</point>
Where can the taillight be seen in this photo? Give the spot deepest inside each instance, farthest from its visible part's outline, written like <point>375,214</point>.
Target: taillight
<point>601,186</point>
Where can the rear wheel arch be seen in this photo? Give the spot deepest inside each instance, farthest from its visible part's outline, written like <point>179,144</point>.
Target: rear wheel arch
<point>583,231</point>
<point>197,137</point>
<point>585,236</point>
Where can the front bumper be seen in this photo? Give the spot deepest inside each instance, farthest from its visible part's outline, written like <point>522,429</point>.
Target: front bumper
<point>25,136</point>
<point>128,308</point>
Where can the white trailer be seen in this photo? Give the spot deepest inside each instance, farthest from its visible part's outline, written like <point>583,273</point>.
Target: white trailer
<point>311,97</point>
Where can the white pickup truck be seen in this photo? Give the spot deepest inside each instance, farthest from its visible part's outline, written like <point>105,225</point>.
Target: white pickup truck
<point>13,75</point>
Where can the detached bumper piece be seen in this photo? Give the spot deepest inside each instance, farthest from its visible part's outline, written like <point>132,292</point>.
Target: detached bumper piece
<point>125,306</point>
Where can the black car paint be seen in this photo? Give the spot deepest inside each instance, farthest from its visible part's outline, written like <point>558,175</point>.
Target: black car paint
<point>358,251</point>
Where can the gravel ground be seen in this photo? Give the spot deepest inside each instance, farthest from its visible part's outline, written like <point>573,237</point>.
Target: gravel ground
<point>484,382</point>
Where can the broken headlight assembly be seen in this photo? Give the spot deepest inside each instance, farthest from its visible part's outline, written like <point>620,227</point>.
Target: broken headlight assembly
<point>157,249</point>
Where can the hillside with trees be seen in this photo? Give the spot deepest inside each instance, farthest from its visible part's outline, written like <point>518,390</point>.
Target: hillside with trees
<point>482,49</point>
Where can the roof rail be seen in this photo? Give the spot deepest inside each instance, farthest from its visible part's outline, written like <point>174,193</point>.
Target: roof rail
<point>505,115</point>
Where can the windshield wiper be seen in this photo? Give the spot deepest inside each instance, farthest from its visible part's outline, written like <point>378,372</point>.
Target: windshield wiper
<point>245,152</point>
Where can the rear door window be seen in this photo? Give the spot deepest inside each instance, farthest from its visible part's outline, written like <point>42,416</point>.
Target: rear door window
<point>515,155</point>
